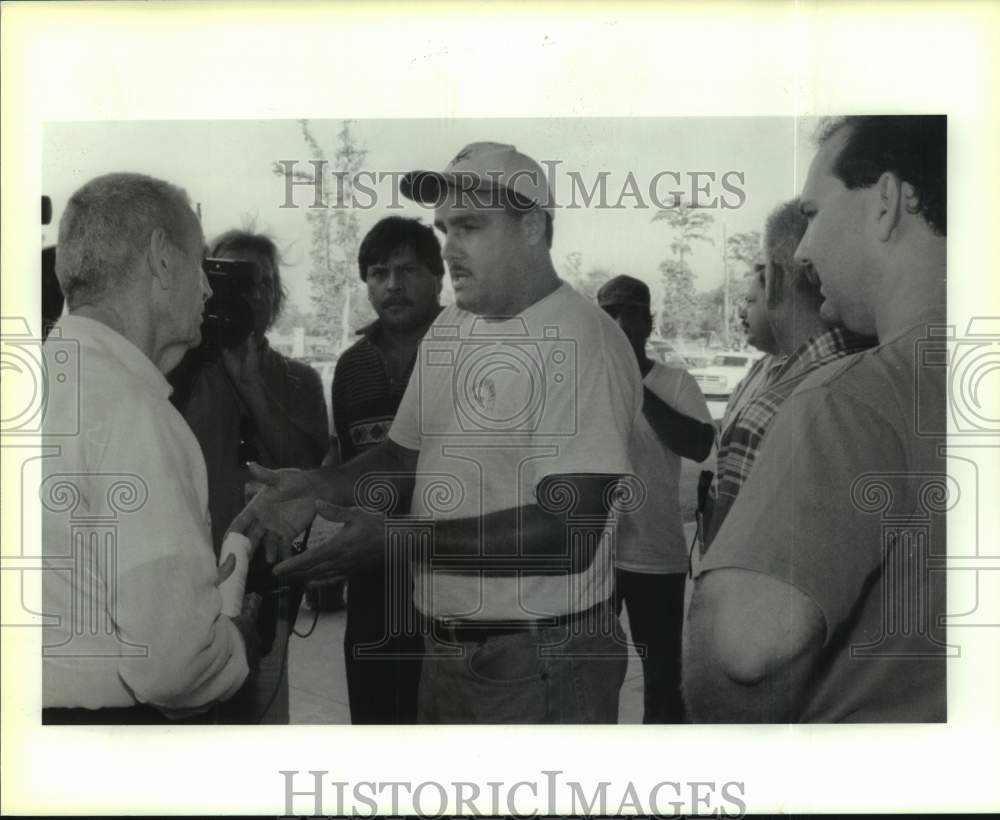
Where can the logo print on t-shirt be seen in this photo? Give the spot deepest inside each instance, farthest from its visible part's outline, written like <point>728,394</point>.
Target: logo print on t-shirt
<point>485,394</point>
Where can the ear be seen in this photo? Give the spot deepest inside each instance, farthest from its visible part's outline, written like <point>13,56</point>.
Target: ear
<point>160,255</point>
<point>891,201</point>
<point>533,225</point>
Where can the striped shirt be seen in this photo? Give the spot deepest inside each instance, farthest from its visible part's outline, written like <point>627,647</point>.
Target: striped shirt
<point>365,396</point>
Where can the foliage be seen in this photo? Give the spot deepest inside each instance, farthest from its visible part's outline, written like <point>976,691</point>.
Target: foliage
<point>742,249</point>
<point>337,293</point>
<point>680,311</point>
<point>679,315</point>
<point>587,283</point>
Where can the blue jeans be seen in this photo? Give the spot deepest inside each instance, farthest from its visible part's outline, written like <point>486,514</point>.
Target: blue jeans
<point>559,674</point>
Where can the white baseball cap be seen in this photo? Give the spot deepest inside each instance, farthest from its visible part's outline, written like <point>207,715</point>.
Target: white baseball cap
<point>485,172</point>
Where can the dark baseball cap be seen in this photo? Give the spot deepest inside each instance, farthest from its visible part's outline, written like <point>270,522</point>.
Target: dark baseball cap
<point>623,291</point>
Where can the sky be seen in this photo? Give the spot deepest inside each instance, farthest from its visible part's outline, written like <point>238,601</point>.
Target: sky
<point>749,164</point>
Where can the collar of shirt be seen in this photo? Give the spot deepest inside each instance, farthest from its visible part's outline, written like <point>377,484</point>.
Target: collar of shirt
<point>817,348</point>
<point>98,336</point>
<point>932,315</point>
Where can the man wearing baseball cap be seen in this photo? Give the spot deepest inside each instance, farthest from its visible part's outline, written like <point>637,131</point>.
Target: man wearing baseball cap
<point>511,443</point>
<point>652,560</point>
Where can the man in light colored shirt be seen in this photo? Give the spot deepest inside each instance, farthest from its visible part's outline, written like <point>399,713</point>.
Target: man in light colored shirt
<point>651,562</point>
<point>136,631</point>
<point>510,443</point>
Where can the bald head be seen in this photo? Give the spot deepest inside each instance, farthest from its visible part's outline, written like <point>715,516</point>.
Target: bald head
<point>106,229</point>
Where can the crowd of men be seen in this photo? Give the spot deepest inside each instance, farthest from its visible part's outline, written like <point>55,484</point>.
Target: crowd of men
<point>505,470</point>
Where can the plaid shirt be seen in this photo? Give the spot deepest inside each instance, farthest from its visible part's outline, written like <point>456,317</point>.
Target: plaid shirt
<point>758,377</point>
<point>741,441</point>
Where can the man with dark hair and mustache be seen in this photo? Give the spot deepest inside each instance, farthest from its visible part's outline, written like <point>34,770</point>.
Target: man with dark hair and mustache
<point>400,262</point>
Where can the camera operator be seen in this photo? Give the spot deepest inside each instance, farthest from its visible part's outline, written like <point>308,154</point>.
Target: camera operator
<point>250,403</point>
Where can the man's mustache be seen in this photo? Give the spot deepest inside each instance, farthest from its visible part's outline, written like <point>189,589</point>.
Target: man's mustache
<point>388,303</point>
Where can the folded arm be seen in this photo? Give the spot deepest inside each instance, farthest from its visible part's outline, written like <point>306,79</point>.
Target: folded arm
<point>683,434</point>
<point>525,537</point>
<point>750,644</point>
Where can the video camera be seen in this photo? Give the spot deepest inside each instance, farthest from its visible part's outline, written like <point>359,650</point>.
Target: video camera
<point>228,318</point>
<point>227,321</point>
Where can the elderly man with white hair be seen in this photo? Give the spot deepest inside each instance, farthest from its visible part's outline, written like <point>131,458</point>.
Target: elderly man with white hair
<point>136,632</point>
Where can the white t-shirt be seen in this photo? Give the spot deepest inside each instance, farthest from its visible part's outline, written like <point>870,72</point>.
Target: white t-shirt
<point>126,539</point>
<point>493,407</point>
<point>651,539</point>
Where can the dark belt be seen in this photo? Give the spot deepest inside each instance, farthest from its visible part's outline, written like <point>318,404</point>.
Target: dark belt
<point>471,631</point>
<point>138,715</point>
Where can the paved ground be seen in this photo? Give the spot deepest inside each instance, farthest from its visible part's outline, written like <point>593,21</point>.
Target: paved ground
<point>318,687</point>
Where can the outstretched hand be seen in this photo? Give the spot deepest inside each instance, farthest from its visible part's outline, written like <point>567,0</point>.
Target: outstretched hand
<point>359,544</point>
<point>279,512</point>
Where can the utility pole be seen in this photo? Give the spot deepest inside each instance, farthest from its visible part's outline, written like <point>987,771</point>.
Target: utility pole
<point>725,290</point>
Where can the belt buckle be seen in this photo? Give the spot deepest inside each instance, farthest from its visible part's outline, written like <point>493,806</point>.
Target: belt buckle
<point>449,630</point>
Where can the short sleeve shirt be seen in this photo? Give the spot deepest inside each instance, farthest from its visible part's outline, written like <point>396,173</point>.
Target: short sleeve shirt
<point>493,407</point>
<point>845,503</point>
<point>651,539</point>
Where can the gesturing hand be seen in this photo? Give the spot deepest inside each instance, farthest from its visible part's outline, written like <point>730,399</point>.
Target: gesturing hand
<point>359,544</point>
<point>279,512</point>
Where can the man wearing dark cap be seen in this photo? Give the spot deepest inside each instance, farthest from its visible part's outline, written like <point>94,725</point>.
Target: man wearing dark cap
<point>511,444</point>
<point>651,559</point>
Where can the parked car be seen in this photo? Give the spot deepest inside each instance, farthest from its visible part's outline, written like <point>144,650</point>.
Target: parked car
<point>661,351</point>
<point>721,375</point>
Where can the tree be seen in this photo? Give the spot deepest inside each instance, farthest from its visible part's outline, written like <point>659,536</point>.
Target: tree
<point>742,249</point>
<point>586,284</point>
<point>291,317</point>
<point>592,281</point>
<point>337,293</point>
<point>572,269</point>
<point>679,313</point>
<point>713,308</point>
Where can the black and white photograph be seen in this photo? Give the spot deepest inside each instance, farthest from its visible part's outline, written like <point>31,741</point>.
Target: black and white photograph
<point>404,449</point>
